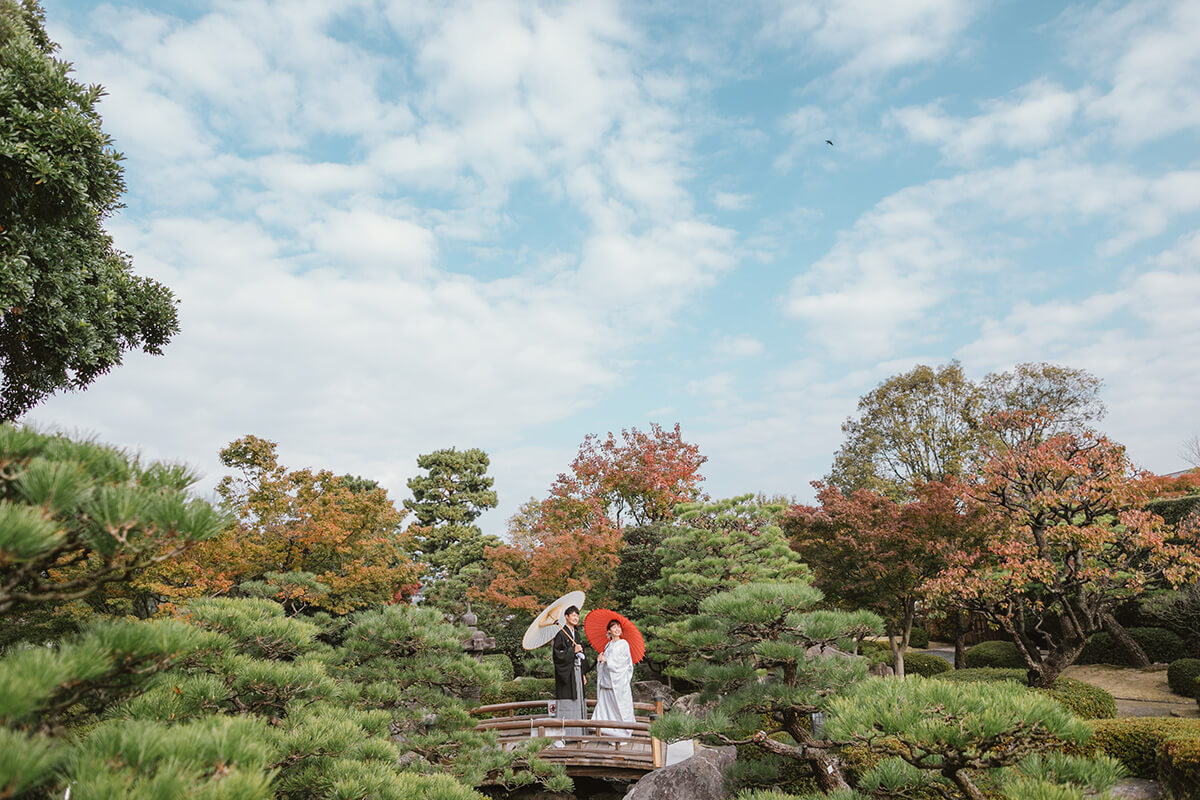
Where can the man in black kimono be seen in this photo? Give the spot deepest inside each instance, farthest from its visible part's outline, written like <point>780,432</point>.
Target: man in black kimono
<point>571,664</point>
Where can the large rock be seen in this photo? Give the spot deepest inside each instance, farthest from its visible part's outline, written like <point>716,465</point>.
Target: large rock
<point>1137,789</point>
<point>701,777</point>
<point>649,691</point>
<point>688,704</point>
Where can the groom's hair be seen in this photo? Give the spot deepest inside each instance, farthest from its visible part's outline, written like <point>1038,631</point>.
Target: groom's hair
<point>570,610</point>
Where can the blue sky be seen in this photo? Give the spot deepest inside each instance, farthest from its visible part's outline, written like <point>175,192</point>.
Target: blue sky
<point>398,226</point>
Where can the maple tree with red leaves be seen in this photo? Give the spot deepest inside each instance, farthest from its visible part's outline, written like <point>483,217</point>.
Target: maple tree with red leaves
<point>868,550</point>
<point>1072,542</point>
<point>304,538</point>
<point>570,540</point>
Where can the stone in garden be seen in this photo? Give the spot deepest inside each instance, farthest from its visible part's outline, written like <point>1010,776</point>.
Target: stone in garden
<point>649,691</point>
<point>1137,789</point>
<point>701,777</point>
<point>688,704</point>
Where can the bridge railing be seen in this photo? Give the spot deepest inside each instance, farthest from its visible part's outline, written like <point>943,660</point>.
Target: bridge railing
<point>591,751</point>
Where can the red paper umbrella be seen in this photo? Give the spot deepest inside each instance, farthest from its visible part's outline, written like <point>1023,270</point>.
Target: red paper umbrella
<point>596,628</point>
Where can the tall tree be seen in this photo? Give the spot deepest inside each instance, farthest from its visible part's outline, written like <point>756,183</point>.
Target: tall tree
<point>70,305</point>
<point>1073,542</point>
<point>749,653</point>
<point>453,492</point>
<point>867,550</point>
<point>301,537</point>
<point>639,479</point>
<point>925,424</point>
<point>571,538</point>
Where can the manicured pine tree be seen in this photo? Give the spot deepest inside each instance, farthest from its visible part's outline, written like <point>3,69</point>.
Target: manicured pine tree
<point>751,657</point>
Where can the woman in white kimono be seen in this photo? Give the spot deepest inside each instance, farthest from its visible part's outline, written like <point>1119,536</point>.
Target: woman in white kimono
<point>614,672</point>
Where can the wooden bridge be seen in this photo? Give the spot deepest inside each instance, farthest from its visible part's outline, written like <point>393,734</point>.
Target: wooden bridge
<point>591,754</point>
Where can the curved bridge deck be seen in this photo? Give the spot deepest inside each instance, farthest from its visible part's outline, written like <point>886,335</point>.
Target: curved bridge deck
<point>594,753</point>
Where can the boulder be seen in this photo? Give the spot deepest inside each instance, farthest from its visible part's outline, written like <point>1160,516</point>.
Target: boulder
<point>649,691</point>
<point>701,777</point>
<point>1137,789</point>
<point>688,704</point>
<point>881,670</point>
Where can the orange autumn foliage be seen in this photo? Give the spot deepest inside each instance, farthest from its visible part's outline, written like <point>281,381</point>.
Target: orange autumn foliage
<point>307,538</point>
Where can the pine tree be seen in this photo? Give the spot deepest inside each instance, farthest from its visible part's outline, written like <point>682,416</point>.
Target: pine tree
<point>751,657</point>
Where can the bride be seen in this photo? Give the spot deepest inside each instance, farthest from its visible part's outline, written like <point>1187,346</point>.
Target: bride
<point>614,671</point>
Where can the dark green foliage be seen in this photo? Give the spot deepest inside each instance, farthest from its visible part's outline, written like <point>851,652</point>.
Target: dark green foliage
<point>1161,646</point>
<point>1182,674</point>
<point>994,654</point>
<point>876,652</point>
<point>1175,510</point>
<point>75,516</point>
<point>519,690</point>
<point>986,675</point>
<point>447,499</point>
<point>502,665</point>
<point>640,564</point>
<point>1084,699</point>
<point>918,639</point>
<point>926,664</point>
<point>70,305</point>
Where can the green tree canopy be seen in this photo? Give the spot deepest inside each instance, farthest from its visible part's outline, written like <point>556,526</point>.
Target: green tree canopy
<point>70,305</point>
<point>925,424</point>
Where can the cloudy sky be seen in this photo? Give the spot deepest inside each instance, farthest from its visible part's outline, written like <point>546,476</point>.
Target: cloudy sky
<point>395,225</point>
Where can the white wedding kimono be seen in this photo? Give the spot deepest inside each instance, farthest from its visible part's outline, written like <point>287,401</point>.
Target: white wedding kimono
<point>614,698</point>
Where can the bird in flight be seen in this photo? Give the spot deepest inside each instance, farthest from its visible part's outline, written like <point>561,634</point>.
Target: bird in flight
<point>829,142</point>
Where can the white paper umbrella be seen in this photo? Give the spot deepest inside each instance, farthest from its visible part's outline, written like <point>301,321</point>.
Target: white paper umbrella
<point>552,618</point>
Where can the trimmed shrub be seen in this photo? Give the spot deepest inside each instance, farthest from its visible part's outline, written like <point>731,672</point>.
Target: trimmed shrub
<point>518,690</point>
<point>1178,762</point>
<point>1182,674</point>
<point>986,674</point>
<point>918,639</point>
<point>1084,699</point>
<point>926,664</point>
<point>994,654</point>
<point>1160,644</point>
<point>1134,741</point>
<point>876,652</point>
<point>502,664</point>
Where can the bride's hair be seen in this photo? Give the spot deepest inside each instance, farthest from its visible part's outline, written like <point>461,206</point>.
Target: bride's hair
<point>612,622</point>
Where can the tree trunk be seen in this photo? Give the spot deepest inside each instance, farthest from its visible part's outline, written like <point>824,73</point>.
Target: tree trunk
<point>965,785</point>
<point>898,647</point>
<point>1137,656</point>
<point>826,767</point>
<point>961,622</point>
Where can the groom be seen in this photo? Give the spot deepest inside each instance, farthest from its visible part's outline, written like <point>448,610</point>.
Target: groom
<point>570,665</point>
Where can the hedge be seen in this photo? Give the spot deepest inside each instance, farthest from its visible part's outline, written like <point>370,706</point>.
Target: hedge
<point>994,654</point>
<point>502,664</point>
<point>918,638</point>
<point>987,674</point>
<point>1160,644</point>
<point>1178,762</point>
<point>926,664</point>
<point>1175,510</point>
<point>1182,674</point>
<point>518,690</point>
<point>1083,699</point>
<point>1136,742</point>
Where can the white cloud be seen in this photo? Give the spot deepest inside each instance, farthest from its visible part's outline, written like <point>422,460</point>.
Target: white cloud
<point>741,346</point>
<point>922,245</point>
<point>1036,116</point>
<point>873,37</point>
<point>731,201</point>
<point>1145,53</point>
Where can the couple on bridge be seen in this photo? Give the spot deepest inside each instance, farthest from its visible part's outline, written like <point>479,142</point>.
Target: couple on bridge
<point>614,673</point>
